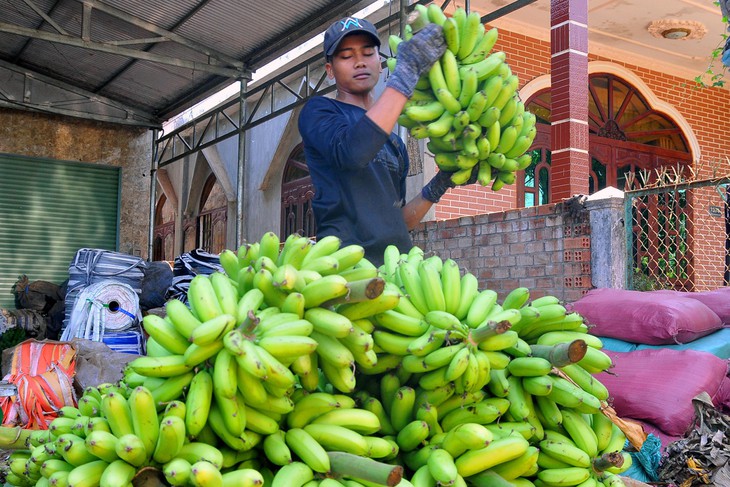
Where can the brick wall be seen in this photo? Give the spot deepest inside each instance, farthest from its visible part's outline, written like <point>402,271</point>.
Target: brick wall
<point>541,248</point>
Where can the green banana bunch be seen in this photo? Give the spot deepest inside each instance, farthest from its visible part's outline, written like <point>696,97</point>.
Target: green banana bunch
<point>468,105</point>
<point>454,384</point>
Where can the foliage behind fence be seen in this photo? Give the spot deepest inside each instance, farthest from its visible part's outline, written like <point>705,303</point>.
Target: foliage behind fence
<point>680,232</point>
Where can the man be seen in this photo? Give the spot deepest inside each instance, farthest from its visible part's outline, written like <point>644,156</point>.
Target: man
<point>358,166</point>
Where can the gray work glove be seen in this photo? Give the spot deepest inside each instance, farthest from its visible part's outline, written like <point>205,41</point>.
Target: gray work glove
<point>441,183</point>
<point>415,57</point>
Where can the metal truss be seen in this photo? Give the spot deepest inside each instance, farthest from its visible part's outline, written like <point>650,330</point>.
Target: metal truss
<point>219,124</point>
<point>26,89</point>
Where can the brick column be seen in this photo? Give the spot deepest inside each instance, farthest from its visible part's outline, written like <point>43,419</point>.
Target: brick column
<point>569,79</point>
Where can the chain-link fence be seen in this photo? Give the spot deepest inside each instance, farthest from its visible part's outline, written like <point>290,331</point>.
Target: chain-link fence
<point>680,233</point>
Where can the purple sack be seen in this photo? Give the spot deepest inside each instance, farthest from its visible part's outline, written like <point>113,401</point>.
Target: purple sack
<point>657,386</point>
<point>646,317</point>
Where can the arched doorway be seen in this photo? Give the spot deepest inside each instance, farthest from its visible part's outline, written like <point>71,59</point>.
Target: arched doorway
<point>297,193</point>
<point>212,217</point>
<point>626,135</point>
<point>163,247</point>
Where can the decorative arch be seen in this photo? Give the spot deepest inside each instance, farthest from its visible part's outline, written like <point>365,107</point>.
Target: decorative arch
<point>541,83</point>
<point>297,193</point>
<point>212,217</point>
<point>630,130</point>
<point>163,247</point>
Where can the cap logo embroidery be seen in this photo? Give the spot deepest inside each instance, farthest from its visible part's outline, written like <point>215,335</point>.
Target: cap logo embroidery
<point>350,22</point>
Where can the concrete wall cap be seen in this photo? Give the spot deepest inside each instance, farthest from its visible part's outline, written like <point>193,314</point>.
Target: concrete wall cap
<point>606,193</point>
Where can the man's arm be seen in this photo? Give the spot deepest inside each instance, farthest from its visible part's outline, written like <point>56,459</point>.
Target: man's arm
<point>415,210</point>
<point>386,109</point>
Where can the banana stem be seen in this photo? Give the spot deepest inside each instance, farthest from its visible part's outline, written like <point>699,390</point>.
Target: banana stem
<point>416,21</point>
<point>561,354</point>
<point>347,464</point>
<point>608,460</point>
<point>358,291</point>
<point>490,328</point>
<point>249,323</point>
<point>14,438</point>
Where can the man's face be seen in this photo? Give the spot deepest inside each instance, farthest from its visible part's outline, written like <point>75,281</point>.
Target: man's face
<point>355,65</point>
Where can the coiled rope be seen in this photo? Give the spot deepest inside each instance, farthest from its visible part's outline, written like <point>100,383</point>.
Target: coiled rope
<point>105,306</point>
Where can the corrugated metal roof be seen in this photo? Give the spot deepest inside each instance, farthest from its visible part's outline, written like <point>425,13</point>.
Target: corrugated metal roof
<point>91,49</point>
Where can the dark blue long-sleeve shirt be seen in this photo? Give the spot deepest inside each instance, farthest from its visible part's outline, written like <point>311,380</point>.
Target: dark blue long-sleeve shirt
<point>359,175</point>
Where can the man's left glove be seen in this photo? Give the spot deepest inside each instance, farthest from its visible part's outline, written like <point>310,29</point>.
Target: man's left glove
<point>415,57</point>
<point>442,182</point>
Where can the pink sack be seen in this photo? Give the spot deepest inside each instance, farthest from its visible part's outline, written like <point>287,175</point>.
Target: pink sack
<point>645,317</point>
<point>718,300</point>
<point>657,385</point>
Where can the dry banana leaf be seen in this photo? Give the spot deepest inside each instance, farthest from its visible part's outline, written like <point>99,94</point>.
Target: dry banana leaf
<point>702,457</point>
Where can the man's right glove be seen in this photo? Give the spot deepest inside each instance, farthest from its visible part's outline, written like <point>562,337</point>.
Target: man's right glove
<point>442,182</point>
<point>415,57</point>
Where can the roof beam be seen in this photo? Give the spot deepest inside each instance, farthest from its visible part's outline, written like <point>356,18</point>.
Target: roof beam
<point>150,27</point>
<point>25,89</point>
<point>120,51</point>
<point>45,17</point>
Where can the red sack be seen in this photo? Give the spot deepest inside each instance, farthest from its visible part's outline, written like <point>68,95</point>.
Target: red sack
<point>43,374</point>
<point>645,317</point>
<point>658,385</point>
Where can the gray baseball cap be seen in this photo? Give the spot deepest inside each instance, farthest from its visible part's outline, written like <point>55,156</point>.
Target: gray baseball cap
<point>350,25</point>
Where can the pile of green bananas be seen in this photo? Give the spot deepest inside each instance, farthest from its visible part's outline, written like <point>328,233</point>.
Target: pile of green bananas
<point>305,365</point>
<point>467,105</point>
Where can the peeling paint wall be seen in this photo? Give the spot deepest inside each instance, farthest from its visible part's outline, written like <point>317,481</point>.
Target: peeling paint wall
<point>61,138</point>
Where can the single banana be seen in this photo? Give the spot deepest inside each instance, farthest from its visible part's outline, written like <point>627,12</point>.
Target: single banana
<point>205,474</point>
<point>308,449</point>
<point>145,423</point>
<point>401,408</point>
<point>197,402</point>
<point>88,474</point>
<point>322,247</point>
<point>276,449</point>
<point>243,477</point>
<point>328,322</point>
<point>131,449</point>
<point>520,466</point>
<point>165,333</point>
<point>498,451</point>
<point>442,468</point>
<point>295,473</point>
<point>338,438</point>
<point>580,431</point>
<point>177,471</point>
<point>325,289</point>
<point>470,35</point>
<point>567,476</point>
<point>412,435</point>
<point>360,420</point>
<point>117,474</point>
<point>102,444</point>
<point>170,439</point>
<point>115,409</point>
<point>170,388</point>
<point>195,452</point>
<point>212,330</point>
<point>168,366</point>
<point>202,298</point>
<point>482,48</point>
<point>450,70</point>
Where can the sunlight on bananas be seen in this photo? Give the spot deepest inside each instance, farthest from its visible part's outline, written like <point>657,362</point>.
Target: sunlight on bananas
<point>303,364</point>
